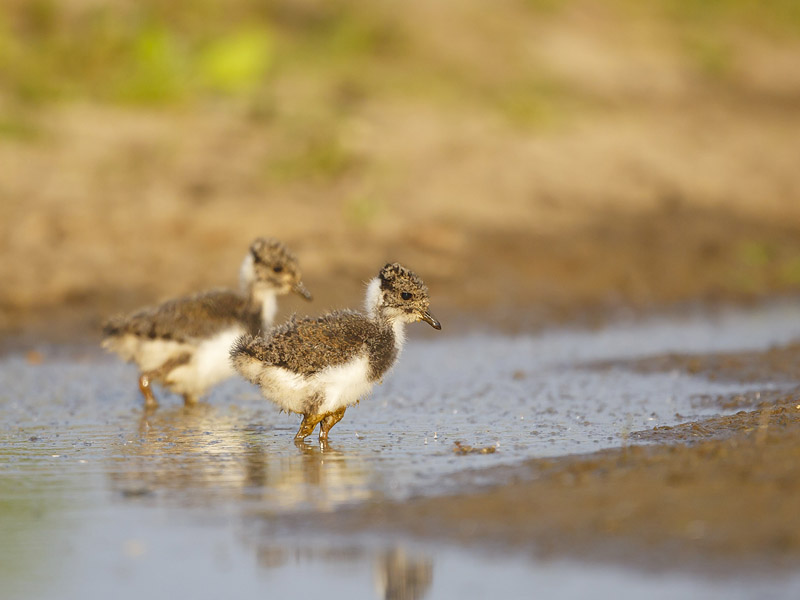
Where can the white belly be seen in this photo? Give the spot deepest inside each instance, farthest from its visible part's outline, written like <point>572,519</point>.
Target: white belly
<point>148,354</point>
<point>333,388</point>
<point>210,364</point>
<point>209,359</point>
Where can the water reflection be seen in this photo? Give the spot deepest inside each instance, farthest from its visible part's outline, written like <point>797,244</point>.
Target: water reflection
<point>205,455</point>
<point>34,494</point>
<point>402,576</point>
<point>398,573</point>
<point>200,454</point>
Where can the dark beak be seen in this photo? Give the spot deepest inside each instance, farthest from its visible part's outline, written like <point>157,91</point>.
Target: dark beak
<point>300,289</point>
<point>430,320</point>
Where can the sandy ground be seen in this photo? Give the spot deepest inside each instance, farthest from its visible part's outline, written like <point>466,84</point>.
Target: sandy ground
<point>543,253</point>
<point>532,167</point>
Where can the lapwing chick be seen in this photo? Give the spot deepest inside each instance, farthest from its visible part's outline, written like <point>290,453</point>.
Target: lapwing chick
<point>319,367</point>
<point>184,344</point>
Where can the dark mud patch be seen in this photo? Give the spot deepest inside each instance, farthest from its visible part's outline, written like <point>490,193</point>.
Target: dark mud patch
<point>769,415</point>
<point>777,364</point>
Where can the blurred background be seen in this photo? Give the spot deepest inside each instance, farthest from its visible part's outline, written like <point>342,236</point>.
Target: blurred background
<point>535,161</point>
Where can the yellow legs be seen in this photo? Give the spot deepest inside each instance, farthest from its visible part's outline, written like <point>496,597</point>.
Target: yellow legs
<point>329,421</point>
<point>310,422</point>
<point>307,426</point>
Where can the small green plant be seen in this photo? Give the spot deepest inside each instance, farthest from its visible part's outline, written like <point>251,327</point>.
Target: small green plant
<point>236,62</point>
<point>157,69</point>
<point>756,253</point>
<point>320,156</point>
<point>362,210</point>
<point>713,57</point>
<point>18,127</point>
<point>790,271</point>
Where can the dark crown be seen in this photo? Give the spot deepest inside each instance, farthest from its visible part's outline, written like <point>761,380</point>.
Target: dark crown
<point>394,272</point>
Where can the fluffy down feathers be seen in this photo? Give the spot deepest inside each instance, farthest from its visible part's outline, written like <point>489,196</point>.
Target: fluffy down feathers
<point>184,319</point>
<point>307,346</point>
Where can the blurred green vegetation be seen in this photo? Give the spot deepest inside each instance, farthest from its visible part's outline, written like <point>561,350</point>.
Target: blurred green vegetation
<point>18,125</point>
<point>161,53</point>
<point>790,271</point>
<point>774,17</point>
<point>302,66</point>
<point>316,152</point>
<point>764,264</point>
<point>710,29</point>
<point>362,210</point>
<point>139,53</point>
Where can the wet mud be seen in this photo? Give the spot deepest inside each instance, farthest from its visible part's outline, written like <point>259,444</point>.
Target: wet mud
<point>779,363</point>
<point>655,454</point>
<point>715,495</point>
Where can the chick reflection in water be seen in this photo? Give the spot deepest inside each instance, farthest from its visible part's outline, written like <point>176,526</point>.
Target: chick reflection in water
<point>402,576</point>
<point>399,573</point>
<point>316,477</point>
<point>194,448</point>
<point>201,453</point>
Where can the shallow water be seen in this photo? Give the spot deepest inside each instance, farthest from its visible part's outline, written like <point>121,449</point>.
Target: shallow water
<point>98,498</point>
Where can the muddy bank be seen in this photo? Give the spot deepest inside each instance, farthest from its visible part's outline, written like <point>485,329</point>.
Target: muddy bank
<point>671,259</point>
<point>779,363</point>
<point>716,495</point>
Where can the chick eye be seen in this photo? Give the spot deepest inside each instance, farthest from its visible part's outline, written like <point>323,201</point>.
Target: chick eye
<point>406,295</point>
<point>277,268</point>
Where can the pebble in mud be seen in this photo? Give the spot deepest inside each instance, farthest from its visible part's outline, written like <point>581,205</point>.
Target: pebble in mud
<point>461,448</point>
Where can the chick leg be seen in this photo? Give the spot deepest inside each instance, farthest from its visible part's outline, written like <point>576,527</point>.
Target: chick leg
<point>159,374</point>
<point>150,401</point>
<point>329,421</point>
<point>307,426</point>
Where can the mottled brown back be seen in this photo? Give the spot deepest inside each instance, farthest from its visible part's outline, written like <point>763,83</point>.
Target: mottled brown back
<point>184,319</point>
<point>308,345</point>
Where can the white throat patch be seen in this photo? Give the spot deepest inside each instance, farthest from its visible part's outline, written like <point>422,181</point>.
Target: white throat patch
<point>263,295</point>
<point>247,274</point>
<point>269,307</point>
<point>373,297</point>
<point>371,303</point>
